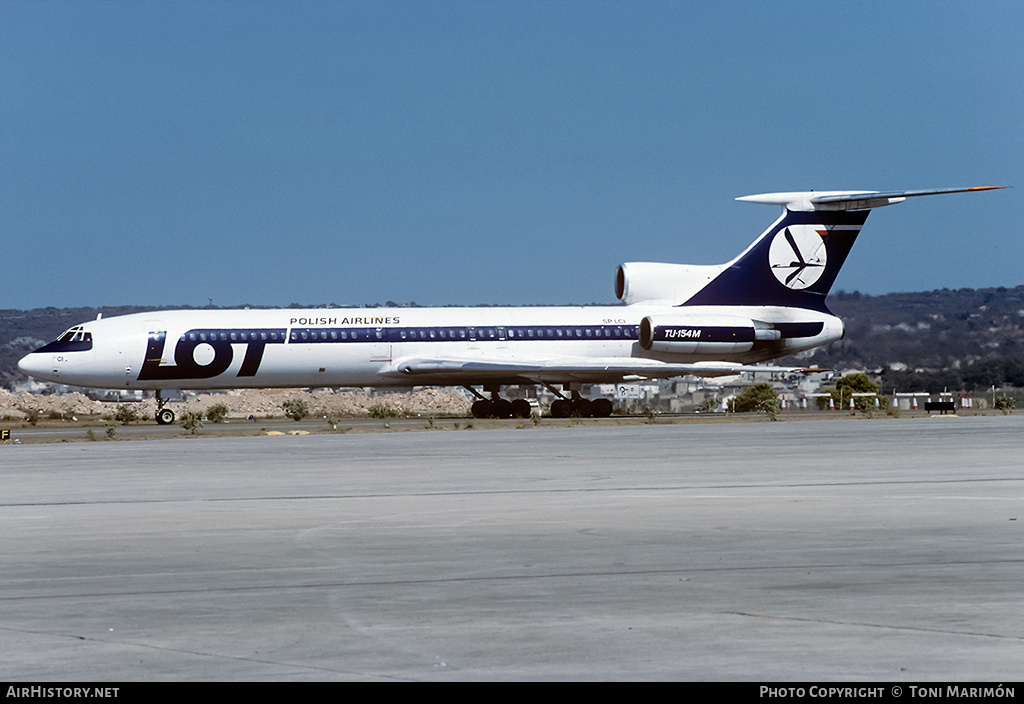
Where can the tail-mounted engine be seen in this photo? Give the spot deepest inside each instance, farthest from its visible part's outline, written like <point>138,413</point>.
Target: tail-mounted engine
<point>703,334</point>
<point>649,282</point>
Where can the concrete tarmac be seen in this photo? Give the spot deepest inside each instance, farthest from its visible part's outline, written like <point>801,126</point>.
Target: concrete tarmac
<point>815,551</point>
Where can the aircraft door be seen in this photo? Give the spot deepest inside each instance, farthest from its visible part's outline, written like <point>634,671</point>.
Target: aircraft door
<point>380,349</point>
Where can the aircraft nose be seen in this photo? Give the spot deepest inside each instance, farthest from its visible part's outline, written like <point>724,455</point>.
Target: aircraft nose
<point>36,365</point>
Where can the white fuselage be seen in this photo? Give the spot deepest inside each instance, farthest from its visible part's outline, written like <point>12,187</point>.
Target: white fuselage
<point>207,349</point>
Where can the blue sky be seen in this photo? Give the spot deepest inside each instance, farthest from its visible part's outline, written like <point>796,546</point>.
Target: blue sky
<point>160,153</point>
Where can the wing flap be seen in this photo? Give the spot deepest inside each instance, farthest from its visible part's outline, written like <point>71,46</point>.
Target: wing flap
<point>469,371</point>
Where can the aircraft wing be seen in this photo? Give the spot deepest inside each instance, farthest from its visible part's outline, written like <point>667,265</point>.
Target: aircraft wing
<point>440,371</point>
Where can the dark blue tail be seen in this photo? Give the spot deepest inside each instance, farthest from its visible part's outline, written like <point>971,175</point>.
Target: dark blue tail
<point>794,263</point>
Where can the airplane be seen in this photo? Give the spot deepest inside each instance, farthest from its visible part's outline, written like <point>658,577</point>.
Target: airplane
<point>705,320</point>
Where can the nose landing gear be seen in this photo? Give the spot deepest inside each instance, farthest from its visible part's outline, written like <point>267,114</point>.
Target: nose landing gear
<point>164,416</point>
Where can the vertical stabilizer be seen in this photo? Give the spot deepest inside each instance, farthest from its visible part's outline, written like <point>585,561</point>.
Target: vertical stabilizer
<point>796,261</point>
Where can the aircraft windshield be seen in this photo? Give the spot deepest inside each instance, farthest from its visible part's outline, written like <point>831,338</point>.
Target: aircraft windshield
<point>75,334</point>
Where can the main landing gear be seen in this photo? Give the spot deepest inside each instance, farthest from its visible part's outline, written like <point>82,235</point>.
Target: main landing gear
<point>577,406</point>
<point>497,407</point>
<point>164,416</point>
<point>574,407</point>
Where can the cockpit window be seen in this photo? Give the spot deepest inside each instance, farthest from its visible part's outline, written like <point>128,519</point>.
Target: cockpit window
<point>75,339</point>
<point>75,334</point>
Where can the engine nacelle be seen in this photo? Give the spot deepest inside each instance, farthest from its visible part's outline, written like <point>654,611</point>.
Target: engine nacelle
<point>703,334</point>
<point>637,282</point>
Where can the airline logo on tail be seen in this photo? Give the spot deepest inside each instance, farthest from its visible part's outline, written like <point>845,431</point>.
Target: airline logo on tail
<point>798,255</point>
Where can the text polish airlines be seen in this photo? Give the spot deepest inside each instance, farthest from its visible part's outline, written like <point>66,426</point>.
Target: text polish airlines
<point>678,319</point>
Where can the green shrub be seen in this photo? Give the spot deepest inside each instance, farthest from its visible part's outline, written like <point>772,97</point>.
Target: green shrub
<point>217,413</point>
<point>125,414</point>
<point>759,398</point>
<point>296,409</point>
<point>192,421</point>
<point>382,410</point>
<point>32,415</point>
<point>710,404</point>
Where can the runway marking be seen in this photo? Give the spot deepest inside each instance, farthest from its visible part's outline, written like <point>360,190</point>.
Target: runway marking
<point>204,654</point>
<point>882,626</point>
<point>515,577</point>
<point>513,492</point>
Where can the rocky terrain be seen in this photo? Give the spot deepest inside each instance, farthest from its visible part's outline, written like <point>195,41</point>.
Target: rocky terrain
<point>269,403</point>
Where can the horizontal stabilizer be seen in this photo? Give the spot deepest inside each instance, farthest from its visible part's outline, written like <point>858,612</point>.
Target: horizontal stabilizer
<point>849,200</point>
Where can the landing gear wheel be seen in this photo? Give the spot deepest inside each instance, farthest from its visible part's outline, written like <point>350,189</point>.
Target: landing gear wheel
<point>601,408</point>
<point>560,408</point>
<point>500,408</point>
<point>580,407</point>
<point>482,409</point>
<point>521,408</point>
<point>165,416</point>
